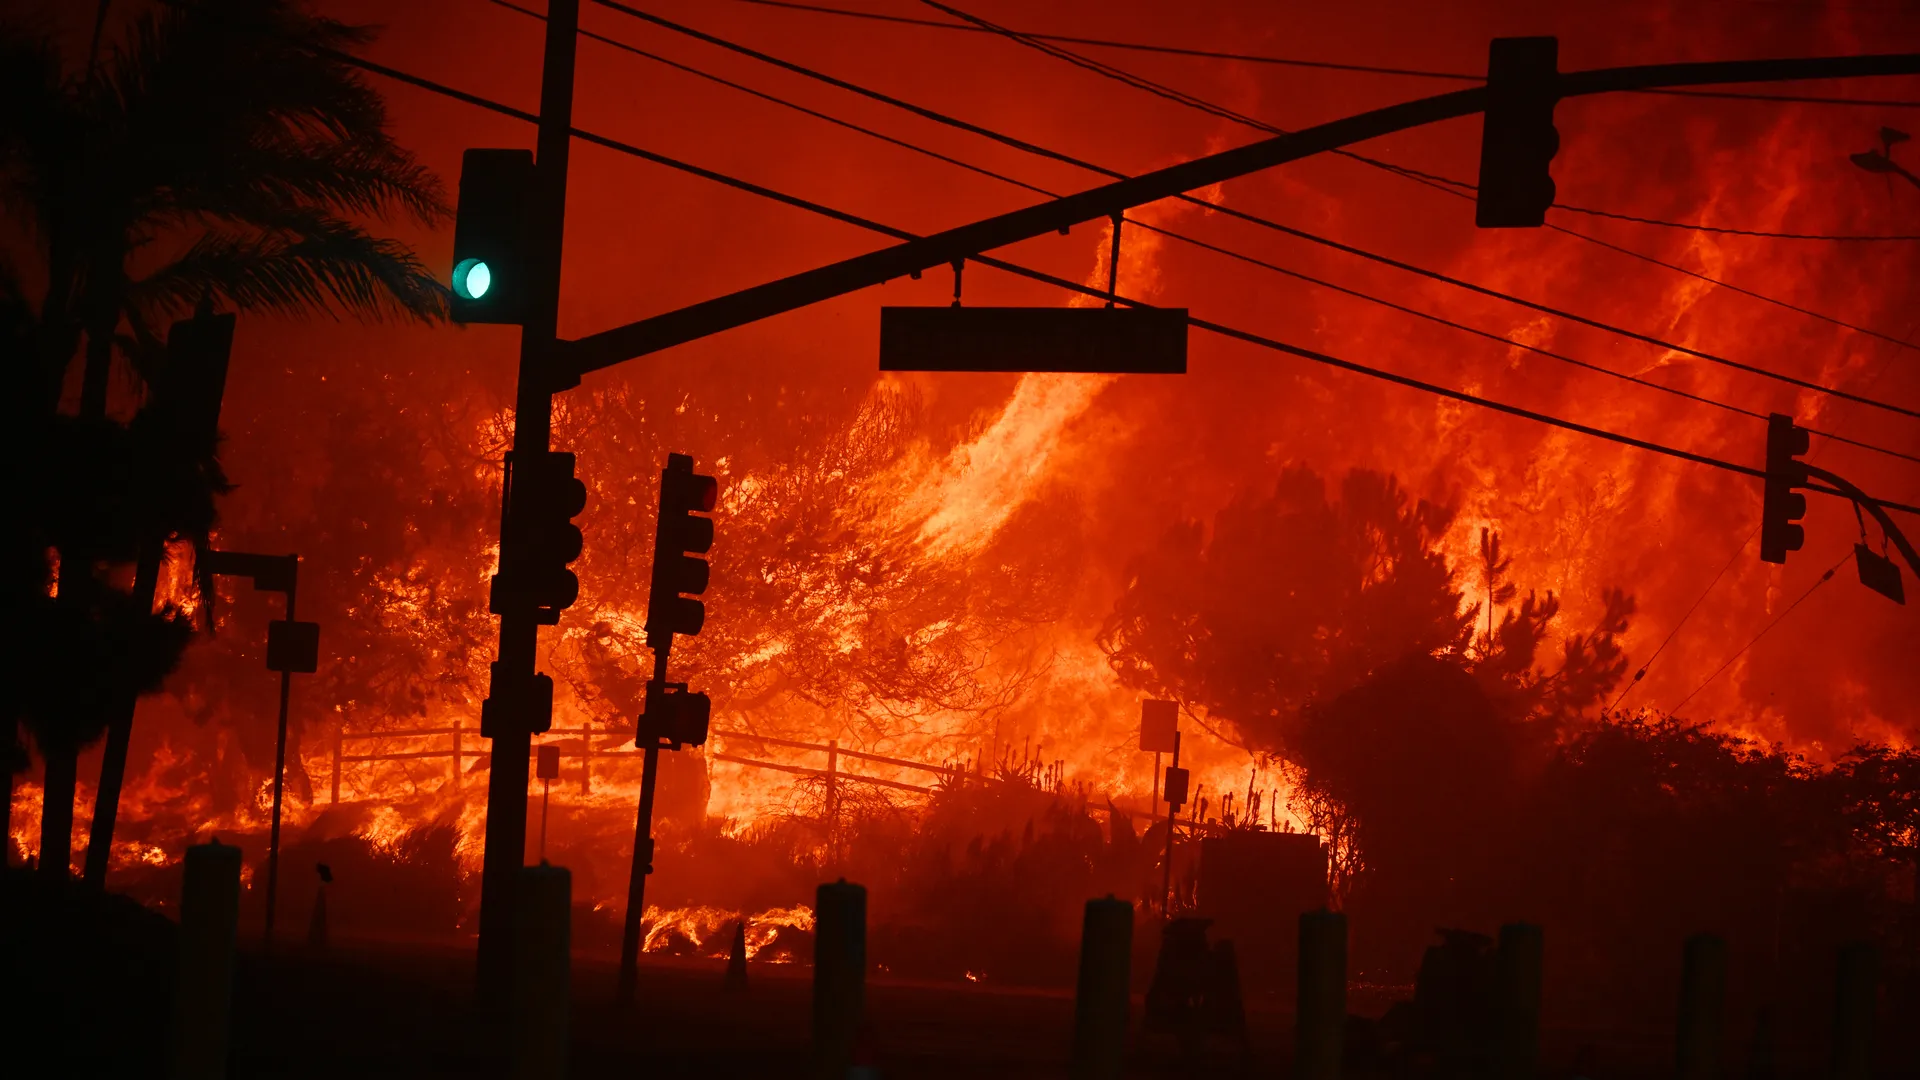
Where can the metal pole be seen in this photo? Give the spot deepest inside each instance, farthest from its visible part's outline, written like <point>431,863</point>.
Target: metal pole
<point>506,838</point>
<point>637,880</point>
<point>833,808</point>
<point>546,793</point>
<point>642,858</point>
<point>339,736</point>
<point>1166,904</point>
<point>279,777</point>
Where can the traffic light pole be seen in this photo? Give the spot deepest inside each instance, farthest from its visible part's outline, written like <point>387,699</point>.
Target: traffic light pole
<point>506,836</point>
<point>279,780</point>
<point>1173,810</point>
<point>642,853</point>
<point>619,344</point>
<point>1862,499</point>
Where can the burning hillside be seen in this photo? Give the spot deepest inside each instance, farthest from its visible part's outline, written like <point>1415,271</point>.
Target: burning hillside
<point>938,601</point>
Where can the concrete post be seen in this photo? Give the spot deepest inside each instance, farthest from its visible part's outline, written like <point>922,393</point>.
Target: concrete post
<point>1101,1000</point>
<point>1703,992</point>
<point>203,994</point>
<point>1855,1002</point>
<point>839,975</point>
<point>542,970</point>
<point>1321,1008</point>
<point>1516,1049</point>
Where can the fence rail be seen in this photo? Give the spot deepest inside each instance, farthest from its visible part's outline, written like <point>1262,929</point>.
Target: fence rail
<point>458,754</point>
<point>583,749</point>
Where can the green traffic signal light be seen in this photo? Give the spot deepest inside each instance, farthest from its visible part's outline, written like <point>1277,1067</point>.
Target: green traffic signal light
<point>472,279</point>
<point>490,269</point>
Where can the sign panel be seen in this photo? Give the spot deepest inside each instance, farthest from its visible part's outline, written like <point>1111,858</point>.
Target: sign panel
<point>1159,724</point>
<point>1120,341</point>
<point>1176,786</point>
<point>1877,572</point>
<point>293,646</point>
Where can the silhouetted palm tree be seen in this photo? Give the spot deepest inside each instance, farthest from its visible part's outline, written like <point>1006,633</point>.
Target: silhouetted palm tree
<point>221,151</point>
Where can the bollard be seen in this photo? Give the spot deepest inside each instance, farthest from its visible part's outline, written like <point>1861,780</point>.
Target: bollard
<point>1516,1017</point>
<point>1703,992</point>
<point>1100,999</point>
<point>542,970</point>
<point>317,922</point>
<point>203,994</point>
<point>839,974</point>
<point>1321,1010</point>
<point>736,980</point>
<point>1855,1000</point>
<point>1760,1058</point>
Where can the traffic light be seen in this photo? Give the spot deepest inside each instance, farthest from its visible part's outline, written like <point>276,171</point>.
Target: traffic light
<point>535,698</point>
<point>1518,139</point>
<point>674,717</point>
<point>490,275</point>
<point>189,391</point>
<point>1780,505</point>
<point>678,573</point>
<point>539,537</point>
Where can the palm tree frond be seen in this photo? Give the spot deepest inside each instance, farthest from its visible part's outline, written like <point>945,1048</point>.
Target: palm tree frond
<point>327,264</point>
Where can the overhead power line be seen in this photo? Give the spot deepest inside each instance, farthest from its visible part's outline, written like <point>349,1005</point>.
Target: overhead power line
<point>1193,241</point>
<point>1032,148</point>
<point>1200,104</point>
<point>1461,189</point>
<point>1731,287</point>
<point>1777,620</point>
<point>1725,231</point>
<point>1220,329</point>
<point>1285,61</point>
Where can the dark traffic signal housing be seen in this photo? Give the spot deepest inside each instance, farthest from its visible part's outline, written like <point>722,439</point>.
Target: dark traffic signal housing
<point>1518,140</point>
<point>674,717</point>
<point>540,539</point>
<point>490,275</point>
<point>188,392</point>
<point>1780,505</point>
<point>679,574</point>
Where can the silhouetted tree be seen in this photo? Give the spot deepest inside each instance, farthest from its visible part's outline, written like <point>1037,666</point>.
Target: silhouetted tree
<point>1293,597</point>
<point>219,151</point>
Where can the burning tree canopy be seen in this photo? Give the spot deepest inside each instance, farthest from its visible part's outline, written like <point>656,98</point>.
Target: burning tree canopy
<point>994,568</point>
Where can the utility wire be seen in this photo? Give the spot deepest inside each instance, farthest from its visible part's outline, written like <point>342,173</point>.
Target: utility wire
<point>1824,578</point>
<point>1730,286</point>
<point>1725,231</point>
<point>1461,187</point>
<point>1288,230</point>
<point>1664,642</point>
<point>1220,329</point>
<point>1283,61</point>
<point>1042,151</point>
<point>1181,97</point>
<point>1731,559</point>
<point>1240,256</point>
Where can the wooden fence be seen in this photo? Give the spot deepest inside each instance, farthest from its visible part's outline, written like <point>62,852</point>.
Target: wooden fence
<point>620,744</point>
